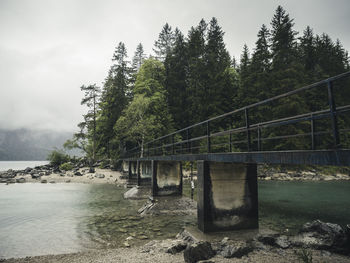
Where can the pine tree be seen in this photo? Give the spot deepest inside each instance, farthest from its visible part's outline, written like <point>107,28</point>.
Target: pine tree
<point>115,96</point>
<point>164,43</point>
<point>176,64</point>
<point>195,80</point>
<point>139,58</point>
<point>219,93</point>
<point>283,44</point>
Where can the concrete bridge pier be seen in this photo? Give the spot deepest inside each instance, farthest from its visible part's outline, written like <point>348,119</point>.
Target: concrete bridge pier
<point>227,196</point>
<point>132,173</point>
<point>125,167</point>
<point>166,178</point>
<point>144,173</point>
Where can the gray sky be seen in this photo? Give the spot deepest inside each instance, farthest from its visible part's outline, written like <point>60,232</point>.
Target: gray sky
<point>48,49</point>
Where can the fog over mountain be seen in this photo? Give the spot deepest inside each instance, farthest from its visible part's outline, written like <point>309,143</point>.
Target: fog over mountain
<point>25,144</point>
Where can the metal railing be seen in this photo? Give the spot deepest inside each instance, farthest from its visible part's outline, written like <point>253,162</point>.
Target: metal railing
<point>184,141</point>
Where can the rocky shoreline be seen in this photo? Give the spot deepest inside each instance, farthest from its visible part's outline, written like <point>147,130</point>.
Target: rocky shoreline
<point>48,173</point>
<point>316,241</point>
<point>51,174</point>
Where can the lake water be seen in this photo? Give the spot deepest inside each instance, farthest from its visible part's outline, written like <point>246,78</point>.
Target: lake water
<point>37,219</point>
<point>19,165</point>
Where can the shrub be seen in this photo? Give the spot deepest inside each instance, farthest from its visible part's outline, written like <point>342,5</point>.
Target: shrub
<point>66,166</point>
<point>57,157</point>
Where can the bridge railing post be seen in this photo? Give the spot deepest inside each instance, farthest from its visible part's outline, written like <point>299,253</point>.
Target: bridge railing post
<point>259,138</point>
<point>312,132</point>
<point>333,111</point>
<point>247,128</point>
<point>208,138</point>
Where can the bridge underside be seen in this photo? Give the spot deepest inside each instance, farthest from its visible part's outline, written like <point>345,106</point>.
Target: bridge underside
<point>321,157</point>
<point>227,182</point>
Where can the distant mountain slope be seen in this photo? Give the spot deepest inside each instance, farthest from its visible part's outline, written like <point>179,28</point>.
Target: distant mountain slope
<point>25,144</point>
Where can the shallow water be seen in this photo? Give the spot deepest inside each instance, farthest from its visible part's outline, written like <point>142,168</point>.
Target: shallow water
<point>38,219</point>
<point>288,205</point>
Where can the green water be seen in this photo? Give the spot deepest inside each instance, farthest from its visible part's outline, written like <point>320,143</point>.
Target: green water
<point>288,205</point>
<point>38,219</point>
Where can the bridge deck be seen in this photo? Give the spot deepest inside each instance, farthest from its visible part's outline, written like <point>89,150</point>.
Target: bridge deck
<point>320,157</point>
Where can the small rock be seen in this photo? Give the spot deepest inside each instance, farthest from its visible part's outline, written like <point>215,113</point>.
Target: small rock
<point>282,242</point>
<point>325,253</point>
<point>198,251</point>
<point>126,244</point>
<point>77,173</point>
<point>67,181</point>
<point>52,182</point>
<point>224,241</point>
<point>35,176</point>
<point>230,251</point>
<point>129,238</point>
<point>100,176</point>
<point>28,170</point>
<point>44,181</point>
<point>20,180</point>
<point>176,247</point>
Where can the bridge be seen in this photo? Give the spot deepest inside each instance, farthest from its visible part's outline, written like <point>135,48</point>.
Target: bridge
<point>227,149</point>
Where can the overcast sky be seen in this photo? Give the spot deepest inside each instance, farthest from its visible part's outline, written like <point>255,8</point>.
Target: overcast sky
<point>48,49</point>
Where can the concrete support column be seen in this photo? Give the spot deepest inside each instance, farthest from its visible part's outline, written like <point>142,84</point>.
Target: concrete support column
<point>227,196</point>
<point>138,173</point>
<point>166,178</point>
<point>125,167</point>
<point>144,173</point>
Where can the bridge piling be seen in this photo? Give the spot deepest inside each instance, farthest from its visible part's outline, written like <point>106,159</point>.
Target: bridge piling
<point>227,196</point>
<point>144,173</point>
<point>166,178</point>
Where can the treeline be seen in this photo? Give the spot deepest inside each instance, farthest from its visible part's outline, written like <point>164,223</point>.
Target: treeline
<point>192,78</point>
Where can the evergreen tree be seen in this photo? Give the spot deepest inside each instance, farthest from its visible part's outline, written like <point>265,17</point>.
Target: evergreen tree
<point>176,64</point>
<point>137,61</point>
<point>114,99</point>
<point>283,44</point>
<point>218,93</point>
<point>195,80</point>
<point>85,139</point>
<point>243,96</point>
<point>164,43</point>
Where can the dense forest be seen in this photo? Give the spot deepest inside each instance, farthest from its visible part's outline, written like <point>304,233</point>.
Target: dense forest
<point>192,77</point>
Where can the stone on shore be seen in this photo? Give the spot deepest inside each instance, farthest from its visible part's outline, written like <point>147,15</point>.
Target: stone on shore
<point>198,251</point>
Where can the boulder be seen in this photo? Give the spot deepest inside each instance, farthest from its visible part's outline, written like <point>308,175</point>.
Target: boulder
<point>77,173</point>
<point>35,176</point>
<point>320,235</point>
<point>176,246</point>
<point>198,251</point>
<point>187,237</point>
<point>20,180</point>
<point>282,242</point>
<point>230,251</point>
<point>28,170</point>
